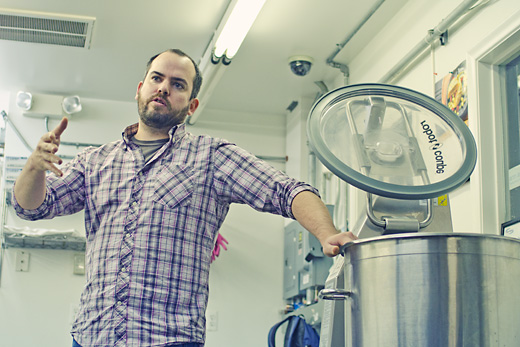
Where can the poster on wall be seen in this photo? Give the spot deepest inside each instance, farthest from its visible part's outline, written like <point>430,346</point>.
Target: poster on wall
<point>451,90</point>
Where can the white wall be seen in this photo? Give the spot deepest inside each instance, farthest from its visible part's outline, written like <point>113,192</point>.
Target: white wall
<point>245,281</point>
<point>37,305</point>
<point>406,30</point>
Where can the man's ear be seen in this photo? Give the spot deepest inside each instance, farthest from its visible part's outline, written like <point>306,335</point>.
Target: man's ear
<point>194,103</point>
<point>138,89</point>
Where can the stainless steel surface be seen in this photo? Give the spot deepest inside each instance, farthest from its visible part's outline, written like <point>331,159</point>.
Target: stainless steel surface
<point>403,216</point>
<point>407,224</point>
<point>332,330</point>
<point>334,294</point>
<point>432,289</point>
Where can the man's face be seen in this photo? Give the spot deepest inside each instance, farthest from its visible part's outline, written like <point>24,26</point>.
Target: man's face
<point>163,98</point>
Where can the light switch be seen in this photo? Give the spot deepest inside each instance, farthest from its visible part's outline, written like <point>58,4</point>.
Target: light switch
<point>22,261</point>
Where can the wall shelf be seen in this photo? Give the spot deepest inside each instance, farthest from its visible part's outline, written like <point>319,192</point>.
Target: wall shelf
<point>64,242</point>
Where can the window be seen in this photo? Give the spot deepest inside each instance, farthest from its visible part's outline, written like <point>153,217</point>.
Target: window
<point>512,131</point>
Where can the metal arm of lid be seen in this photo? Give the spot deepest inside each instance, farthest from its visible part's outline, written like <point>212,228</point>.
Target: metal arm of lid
<point>392,224</point>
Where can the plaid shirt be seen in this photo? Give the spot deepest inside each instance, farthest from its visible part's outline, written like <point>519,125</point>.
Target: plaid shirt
<point>151,229</point>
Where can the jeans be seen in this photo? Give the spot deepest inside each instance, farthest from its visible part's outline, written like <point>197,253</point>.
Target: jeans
<point>75,344</point>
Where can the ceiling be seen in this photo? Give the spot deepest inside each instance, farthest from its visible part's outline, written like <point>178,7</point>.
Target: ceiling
<point>127,32</point>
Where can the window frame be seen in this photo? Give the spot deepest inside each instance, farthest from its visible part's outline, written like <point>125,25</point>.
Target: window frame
<point>486,107</point>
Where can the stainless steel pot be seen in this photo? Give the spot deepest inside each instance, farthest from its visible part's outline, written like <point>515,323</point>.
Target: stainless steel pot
<point>431,289</point>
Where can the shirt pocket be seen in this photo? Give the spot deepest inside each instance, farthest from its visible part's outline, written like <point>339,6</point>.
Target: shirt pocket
<point>174,186</point>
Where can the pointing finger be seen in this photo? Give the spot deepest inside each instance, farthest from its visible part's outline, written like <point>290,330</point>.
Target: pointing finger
<point>61,127</point>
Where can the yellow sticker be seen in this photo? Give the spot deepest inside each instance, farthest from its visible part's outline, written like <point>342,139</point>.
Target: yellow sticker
<point>442,200</point>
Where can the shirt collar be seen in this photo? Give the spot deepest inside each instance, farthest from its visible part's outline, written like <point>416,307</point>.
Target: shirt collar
<point>176,133</point>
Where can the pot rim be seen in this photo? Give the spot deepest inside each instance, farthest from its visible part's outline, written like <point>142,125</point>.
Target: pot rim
<point>423,235</point>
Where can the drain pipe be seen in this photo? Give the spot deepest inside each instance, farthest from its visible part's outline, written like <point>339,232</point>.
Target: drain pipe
<point>339,47</point>
<point>425,43</point>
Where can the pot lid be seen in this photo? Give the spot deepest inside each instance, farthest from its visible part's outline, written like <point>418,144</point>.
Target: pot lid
<point>391,141</point>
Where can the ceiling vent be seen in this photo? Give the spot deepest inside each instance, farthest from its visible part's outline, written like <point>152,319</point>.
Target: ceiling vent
<point>46,28</point>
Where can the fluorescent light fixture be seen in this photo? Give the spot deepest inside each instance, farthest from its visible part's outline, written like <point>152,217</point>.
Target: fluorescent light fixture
<point>237,26</point>
<point>24,100</point>
<point>233,28</point>
<point>71,104</point>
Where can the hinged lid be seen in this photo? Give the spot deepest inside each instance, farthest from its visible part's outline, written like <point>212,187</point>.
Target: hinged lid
<point>391,141</point>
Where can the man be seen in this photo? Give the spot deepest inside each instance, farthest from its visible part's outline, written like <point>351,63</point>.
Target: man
<point>154,202</point>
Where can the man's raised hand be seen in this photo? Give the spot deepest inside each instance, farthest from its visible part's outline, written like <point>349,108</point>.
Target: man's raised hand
<point>44,157</point>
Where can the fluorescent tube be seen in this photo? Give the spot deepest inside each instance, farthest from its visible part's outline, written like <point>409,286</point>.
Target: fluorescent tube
<point>237,25</point>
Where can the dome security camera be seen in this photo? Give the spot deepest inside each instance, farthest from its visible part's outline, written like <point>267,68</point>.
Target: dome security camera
<point>300,64</point>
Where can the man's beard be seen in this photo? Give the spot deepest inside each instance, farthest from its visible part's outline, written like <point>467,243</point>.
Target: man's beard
<point>160,119</point>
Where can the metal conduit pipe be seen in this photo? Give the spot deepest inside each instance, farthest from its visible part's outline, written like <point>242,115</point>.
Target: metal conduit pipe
<point>339,47</point>
<point>81,144</point>
<point>425,43</point>
<point>7,120</point>
<point>75,144</point>
<point>272,158</point>
<point>346,73</point>
<point>313,169</point>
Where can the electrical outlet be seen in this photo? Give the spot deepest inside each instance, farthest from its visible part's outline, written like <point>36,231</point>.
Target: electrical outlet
<point>22,261</point>
<point>212,321</point>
